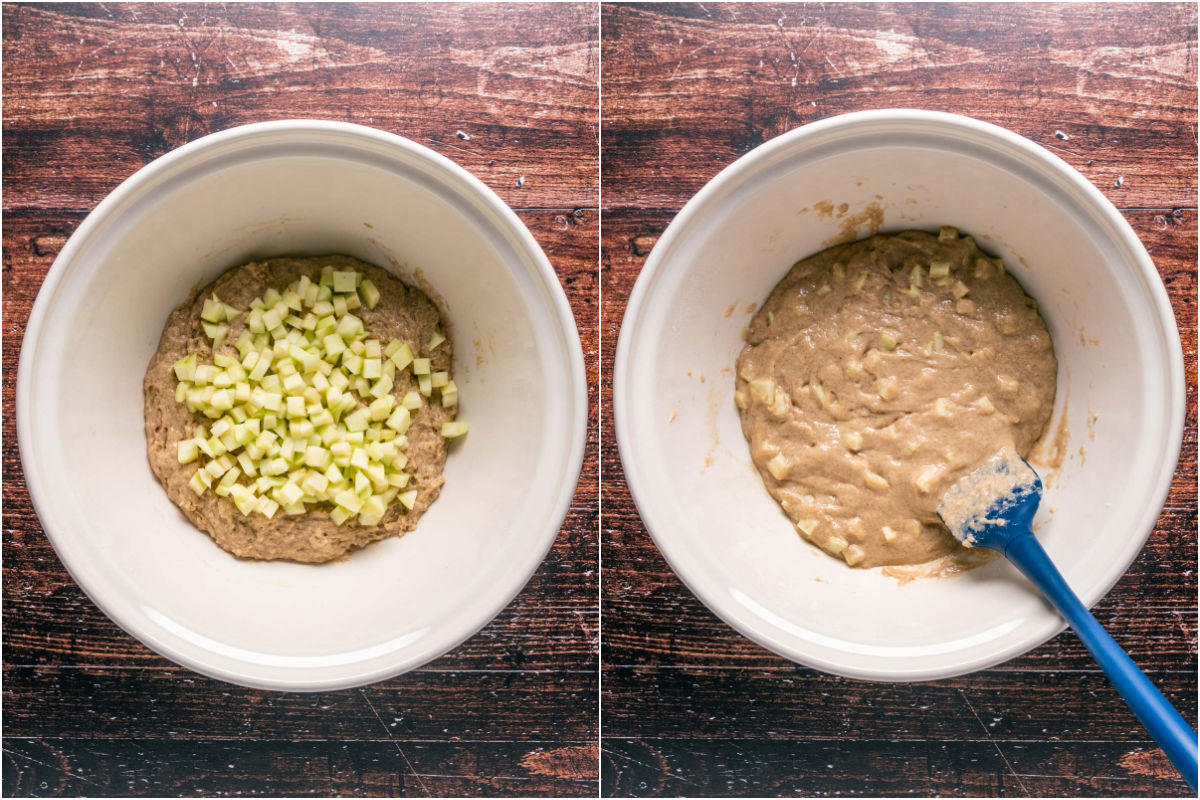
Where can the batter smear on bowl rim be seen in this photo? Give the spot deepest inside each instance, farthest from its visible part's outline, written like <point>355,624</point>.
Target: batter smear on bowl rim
<point>298,408</point>
<point>876,374</point>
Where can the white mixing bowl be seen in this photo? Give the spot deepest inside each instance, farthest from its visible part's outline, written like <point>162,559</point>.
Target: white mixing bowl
<point>692,479</point>
<point>301,187</point>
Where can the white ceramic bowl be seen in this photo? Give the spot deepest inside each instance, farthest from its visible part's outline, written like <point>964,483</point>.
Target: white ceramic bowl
<point>300,187</point>
<point>693,481</point>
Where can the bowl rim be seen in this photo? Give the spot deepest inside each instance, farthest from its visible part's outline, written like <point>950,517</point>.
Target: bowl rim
<point>679,558</point>
<point>369,669</point>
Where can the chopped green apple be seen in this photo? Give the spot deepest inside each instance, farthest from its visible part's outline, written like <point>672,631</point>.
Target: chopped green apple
<point>345,281</point>
<point>401,355</point>
<point>454,429</point>
<point>185,368</point>
<point>305,414</point>
<point>779,467</point>
<point>369,293</point>
<point>763,390</point>
<point>835,544</point>
<point>927,478</point>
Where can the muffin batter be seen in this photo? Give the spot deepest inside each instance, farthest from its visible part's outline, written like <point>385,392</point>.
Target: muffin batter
<point>402,313</point>
<point>878,373</point>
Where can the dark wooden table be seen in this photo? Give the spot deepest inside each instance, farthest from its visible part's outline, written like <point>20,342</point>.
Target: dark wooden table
<point>92,93</point>
<point>690,707</point>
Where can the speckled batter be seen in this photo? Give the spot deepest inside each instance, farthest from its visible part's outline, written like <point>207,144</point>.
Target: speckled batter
<point>876,374</point>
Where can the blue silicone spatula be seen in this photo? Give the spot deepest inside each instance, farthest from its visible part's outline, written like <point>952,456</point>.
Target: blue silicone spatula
<point>993,507</point>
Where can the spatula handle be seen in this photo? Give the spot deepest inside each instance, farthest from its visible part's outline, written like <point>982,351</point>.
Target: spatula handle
<point>1173,734</point>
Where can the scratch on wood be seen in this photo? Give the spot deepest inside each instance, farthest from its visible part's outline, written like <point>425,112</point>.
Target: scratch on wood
<point>987,732</point>
<point>399,750</point>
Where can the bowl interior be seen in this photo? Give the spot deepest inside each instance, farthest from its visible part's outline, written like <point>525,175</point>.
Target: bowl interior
<point>1119,389</point>
<point>303,191</point>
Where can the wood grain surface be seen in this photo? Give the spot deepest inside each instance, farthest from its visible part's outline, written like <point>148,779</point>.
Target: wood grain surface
<point>689,706</point>
<point>92,93</point>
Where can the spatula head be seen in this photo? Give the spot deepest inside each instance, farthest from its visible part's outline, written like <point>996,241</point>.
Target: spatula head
<point>994,503</point>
